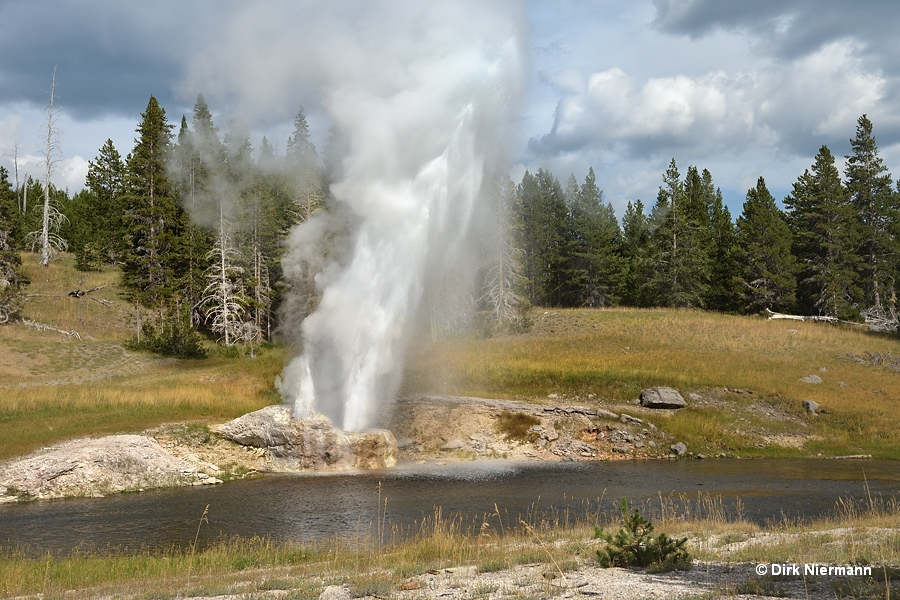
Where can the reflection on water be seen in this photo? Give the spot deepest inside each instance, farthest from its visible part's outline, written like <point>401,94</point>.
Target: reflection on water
<point>311,507</point>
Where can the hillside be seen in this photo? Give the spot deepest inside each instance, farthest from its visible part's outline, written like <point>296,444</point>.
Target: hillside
<point>741,376</point>
<point>64,372</point>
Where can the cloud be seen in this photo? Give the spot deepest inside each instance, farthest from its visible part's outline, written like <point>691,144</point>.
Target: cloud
<point>791,110</point>
<point>9,134</point>
<point>110,56</point>
<point>72,172</point>
<point>789,29</point>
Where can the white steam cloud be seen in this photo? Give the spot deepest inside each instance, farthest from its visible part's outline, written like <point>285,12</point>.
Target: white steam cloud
<point>420,97</point>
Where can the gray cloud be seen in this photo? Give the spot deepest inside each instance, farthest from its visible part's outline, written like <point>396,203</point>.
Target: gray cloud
<point>789,29</point>
<point>110,56</point>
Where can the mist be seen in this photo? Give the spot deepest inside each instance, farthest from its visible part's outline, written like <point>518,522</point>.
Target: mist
<point>420,99</point>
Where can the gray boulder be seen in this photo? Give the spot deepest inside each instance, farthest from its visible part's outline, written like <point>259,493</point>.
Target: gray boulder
<point>811,379</point>
<point>454,444</point>
<point>311,444</point>
<point>811,406</point>
<point>680,449</point>
<point>662,397</point>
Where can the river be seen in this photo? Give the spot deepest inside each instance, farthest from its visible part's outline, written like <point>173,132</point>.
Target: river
<point>310,507</point>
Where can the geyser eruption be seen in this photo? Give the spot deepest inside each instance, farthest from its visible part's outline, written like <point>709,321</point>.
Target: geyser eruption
<point>420,97</point>
<point>417,143</point>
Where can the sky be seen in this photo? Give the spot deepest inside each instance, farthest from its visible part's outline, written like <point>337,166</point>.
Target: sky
<point>744,89</point>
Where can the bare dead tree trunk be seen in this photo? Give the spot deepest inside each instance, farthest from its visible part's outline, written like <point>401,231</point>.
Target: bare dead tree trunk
<point>48,169</point>
<point>223,273</point>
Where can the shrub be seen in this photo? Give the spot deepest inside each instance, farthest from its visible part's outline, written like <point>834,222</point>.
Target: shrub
<point>517,425</point>
<point>174,337</point>
<point>635,546</point>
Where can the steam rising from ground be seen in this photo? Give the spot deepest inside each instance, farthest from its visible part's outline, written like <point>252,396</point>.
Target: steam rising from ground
<point>420,97</point>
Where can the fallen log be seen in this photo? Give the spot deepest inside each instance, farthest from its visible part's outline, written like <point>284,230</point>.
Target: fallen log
<point>775,315</point>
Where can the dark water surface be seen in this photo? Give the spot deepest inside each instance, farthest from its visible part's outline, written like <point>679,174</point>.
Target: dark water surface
<point>311,507</point>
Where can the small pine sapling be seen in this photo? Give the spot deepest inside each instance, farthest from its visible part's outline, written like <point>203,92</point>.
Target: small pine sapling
<point>635,546</point>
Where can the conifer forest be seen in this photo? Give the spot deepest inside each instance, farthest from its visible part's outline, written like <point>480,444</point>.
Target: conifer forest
<point>196,219</point>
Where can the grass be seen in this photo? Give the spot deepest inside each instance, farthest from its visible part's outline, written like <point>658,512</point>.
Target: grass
<point>517,425</point>
<point>605,357</point>
<point>55,387</point>
<point>32,417</point>
<point>857,533</point>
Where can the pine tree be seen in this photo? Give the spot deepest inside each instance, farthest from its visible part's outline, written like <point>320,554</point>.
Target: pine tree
<point>10,218</point>
<point>195,156</point>
<point>597,265</point>
<point>503,282</point>
<point>638,263</point>
<point>267,159</point>
<point>300,150</point>
<point>546,242</point>
<point>96,214</point>
<point>764,253</point>
<point>826,238</point>
<point>724,292</point>
<point>870,187</point>
<point>680,222</point>
<point>154,217</point>
<point>12,277</point>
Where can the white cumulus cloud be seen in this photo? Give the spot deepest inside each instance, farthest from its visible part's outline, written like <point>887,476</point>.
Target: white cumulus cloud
<point>787,109</point>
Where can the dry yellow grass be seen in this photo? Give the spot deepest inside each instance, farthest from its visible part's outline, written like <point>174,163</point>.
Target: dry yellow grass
<point>614,353</point>
<point>55,386</point>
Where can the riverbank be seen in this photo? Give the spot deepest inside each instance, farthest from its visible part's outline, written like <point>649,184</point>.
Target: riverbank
<point>748,382</point>
<point>491,561</point>
<point>428,429</point>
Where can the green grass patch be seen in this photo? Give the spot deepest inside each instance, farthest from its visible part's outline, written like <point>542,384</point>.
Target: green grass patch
<point>517,426</point>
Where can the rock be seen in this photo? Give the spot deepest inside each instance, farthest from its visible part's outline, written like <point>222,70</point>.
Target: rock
<point>662,397</point>
<point>265,428</point>
<point>95,467</point>
<point>311,444</point>
<point>680,449</point>
<point>629,419</point>
<point>454,444</point>
<point>336,592</point>
<point>600,412</point>
<point>620,449</point>
<point>811,379</point>
<point>811,406</point>
<point>639,444</point>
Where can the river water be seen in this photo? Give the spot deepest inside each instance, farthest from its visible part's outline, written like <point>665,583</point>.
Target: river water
<point>312,507</point>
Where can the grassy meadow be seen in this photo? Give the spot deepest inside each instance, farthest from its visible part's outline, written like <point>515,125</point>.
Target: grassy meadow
<point>56,386</point>
<point>605,357</point>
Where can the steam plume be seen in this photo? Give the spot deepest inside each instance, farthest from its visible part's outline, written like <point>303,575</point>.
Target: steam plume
<point>420,96</point>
